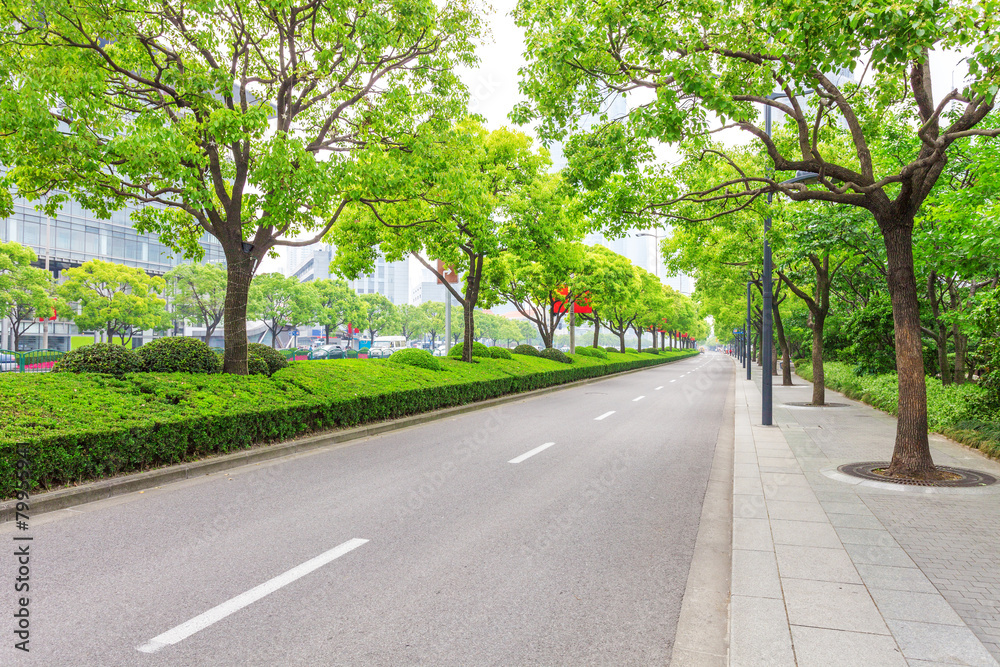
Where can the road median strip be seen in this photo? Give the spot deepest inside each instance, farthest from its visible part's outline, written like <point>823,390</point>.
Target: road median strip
<point>211,462</point>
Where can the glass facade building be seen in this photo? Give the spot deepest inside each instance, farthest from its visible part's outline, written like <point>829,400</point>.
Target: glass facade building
<point>74,236</point>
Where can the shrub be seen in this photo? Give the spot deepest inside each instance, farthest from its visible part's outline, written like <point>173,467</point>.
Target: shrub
<point>500,353</point>
<point>585,352</point>
<point>555,355</point>
<point>98,358</point>
<point>414,357</point>
<point>478,350</point>
<point>350,354</point>
<point>610,349</point>
<point>650,350</point>
<point>275,360</point>
<point>179,354</point>
<point>256,364</point>
<point>529,350</point>
<point>598,352</point>
<point>629,350</point>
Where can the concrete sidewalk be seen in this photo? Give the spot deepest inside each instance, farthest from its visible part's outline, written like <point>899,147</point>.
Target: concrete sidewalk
<point>830,572</point>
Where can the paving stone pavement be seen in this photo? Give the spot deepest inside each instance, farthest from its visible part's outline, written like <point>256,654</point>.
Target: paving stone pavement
<point>831,573</point>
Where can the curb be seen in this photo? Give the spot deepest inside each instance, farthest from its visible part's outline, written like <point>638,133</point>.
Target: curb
<point>109,488</point>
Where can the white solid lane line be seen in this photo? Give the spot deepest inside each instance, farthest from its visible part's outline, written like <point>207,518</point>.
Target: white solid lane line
<point>658,388</point>
<point>606,414</point>
<point>674,380</point>
<point>638,399</point>
<point>528,455</point>
<point>202,621</point>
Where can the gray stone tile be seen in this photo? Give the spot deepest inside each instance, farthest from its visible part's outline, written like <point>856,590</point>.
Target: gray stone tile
<point>759,634</point>
<point>752,534</point>
<point>854,521</point>
<point>796,494</point>
<point>940,643</point>
<point>804,533</point>
<point>815,563</point>
<point>755,574</point>
<point>874,538</point>
<point>784,479</point>
<point>747,486</point>
<point>864,553</point>
<point>819,647</point>
<point>795,511</point>
<point>749,506</point>
<point>831,605</point>
<point>745,470</point>
<point>857,508</point>
<point>777,464</point>
<point>895,578</point>
<point>910,606</point>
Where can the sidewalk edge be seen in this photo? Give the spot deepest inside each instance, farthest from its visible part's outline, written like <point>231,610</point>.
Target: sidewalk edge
<point>702,636</point>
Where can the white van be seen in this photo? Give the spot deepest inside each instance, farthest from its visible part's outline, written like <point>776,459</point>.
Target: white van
<point>386,345</point>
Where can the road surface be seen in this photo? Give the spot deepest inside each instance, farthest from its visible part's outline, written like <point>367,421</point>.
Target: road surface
<point>554,530</point>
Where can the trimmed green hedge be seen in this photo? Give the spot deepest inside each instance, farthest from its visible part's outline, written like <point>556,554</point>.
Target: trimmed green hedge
<point>555,355</point>
<point>478,350</point>
<point>500,352</point>
<point>415,357</point>
<point>275,360</point>
<point>98,358</point>
<point>529,350</point>
<point>179,354</point>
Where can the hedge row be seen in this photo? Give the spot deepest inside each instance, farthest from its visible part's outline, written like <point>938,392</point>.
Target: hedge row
<point>957,411</point>
<point>81,427</point>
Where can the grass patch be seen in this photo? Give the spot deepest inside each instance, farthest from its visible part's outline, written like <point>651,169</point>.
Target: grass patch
<point>82,427</point>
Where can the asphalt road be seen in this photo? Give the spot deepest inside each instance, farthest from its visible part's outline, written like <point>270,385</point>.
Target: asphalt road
<point>442,544</point>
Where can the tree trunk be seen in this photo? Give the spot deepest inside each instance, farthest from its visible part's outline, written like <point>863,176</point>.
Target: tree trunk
<point>470,328</point>
<point>326,332</point>
<point>597,331</point>
<point>621,341</point>
<point>786,366</point>
<point>911,455</point>
<point>819,385</point>
<point>941,339</point>
<point>239,273</point>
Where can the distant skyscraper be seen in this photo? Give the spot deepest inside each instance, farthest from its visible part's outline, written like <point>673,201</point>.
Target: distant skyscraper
<point>391,279</point>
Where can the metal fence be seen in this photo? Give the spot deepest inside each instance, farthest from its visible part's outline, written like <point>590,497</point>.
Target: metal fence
<point>33,361</point>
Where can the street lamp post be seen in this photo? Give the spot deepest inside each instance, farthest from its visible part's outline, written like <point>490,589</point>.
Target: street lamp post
<point>767,289</point>
<point>748,331</point>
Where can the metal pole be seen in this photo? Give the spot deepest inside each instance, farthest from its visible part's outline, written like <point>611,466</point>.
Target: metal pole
<point>447,319</point>
<point>48,251</point>
<point>749,337</point>
<point>766,334</point>
<point>572,329</point>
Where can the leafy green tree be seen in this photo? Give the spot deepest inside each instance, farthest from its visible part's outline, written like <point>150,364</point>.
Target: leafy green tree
<point>282,302</point>
<point>720,62</point>
<point>541,286</point>
<point>528,330</point>
<point>26,292</point>
<point>434,316</point>
<point>254,123</point>
<point>380,314</point>
<point>198,293</point>
<point>115,298</point>
<point>470,195</point>
<point>410,321</point>
<point>338,305</point>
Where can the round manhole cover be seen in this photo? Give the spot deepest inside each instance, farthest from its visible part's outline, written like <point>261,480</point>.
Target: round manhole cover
<point>963,477</point>
<point>813,405</point>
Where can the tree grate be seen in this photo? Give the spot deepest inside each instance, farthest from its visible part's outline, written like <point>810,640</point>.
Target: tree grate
<point>966,477</point>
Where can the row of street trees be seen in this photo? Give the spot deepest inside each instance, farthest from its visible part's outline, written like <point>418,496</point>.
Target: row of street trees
<point>878,145</point>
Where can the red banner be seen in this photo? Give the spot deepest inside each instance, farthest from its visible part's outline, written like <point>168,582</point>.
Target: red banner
<point>560,306</point>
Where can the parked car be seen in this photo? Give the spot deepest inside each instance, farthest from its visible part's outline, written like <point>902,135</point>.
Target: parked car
<point>384,346</point>
<point>8,362</point>
<point>327,352</point>
<point>565,349</point>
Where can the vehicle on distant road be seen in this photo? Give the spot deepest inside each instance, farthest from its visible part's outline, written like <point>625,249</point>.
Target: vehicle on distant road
<point>384,346</point>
